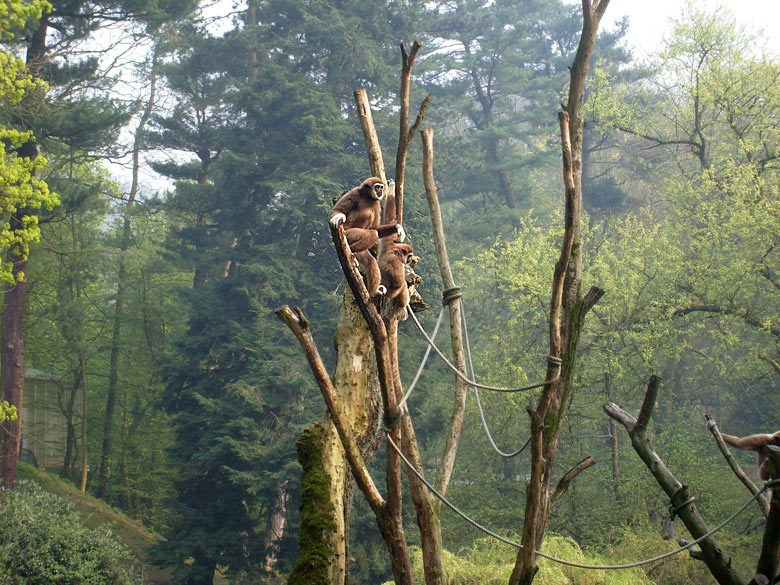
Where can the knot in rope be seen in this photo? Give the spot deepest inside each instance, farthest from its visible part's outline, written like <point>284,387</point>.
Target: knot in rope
<point>391,423</point>
<point>711,424</point>
<point>554,361</point>
<point>675,509</point>
<point>450,295</point>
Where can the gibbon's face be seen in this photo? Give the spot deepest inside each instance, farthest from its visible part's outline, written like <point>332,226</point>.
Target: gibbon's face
<point>407,252</point>
<point>378,191</point>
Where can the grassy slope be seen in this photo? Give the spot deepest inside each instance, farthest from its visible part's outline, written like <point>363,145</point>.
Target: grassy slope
<point>96,513</point>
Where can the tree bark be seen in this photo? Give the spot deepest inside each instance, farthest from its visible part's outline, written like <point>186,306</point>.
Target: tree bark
<point>406,134</point>
<point>322,551</point>
<point>567,312</point>
<point>13,363</point>
<point>719,564</point>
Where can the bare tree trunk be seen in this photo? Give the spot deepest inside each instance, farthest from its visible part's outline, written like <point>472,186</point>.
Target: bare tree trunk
<point>13,364</point>
<point>326,475</point>
<point>568,309</point>
<point>428,508</point>
<point>84,460</point>
<point>68,409</point>
<point>276,526</point>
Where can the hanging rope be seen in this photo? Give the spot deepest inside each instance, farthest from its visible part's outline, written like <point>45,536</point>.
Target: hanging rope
<point>510,454</point>
<point>553,360</point>
<point>422,363</point>
<point>515,544</point>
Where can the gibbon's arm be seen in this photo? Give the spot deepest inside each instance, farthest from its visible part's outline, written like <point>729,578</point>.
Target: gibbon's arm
<point>392,229</point>
<point>749,443</point>
<point>342,208</point>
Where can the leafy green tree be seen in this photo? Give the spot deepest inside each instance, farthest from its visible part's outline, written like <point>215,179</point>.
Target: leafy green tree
<point>20,190</point>
<point>710,113</point>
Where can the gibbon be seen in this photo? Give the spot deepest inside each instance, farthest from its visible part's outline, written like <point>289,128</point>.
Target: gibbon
<point>392,258</point>
<point>756,443</point>
<point>359,209</point>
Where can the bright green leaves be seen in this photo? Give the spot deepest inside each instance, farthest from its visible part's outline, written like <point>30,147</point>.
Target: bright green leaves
<point>7,411</point>
<point>19,188</point>
<point>15,13</point>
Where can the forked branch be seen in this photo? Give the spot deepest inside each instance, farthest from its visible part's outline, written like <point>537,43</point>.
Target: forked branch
<point>299,325</point>
<point>683,504</point>
<point>406,134</point>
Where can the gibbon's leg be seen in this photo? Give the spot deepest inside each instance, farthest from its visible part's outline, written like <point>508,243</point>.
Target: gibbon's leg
<point>373,277</point>
<point>763,466</point>
<point>403,301</point>
<point>360,239</point>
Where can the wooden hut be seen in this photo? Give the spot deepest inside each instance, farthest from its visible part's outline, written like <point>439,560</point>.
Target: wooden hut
<point>43,424</point>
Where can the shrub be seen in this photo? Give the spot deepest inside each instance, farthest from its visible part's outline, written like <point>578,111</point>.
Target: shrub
<point>489,562</point>
<point>43,542</point>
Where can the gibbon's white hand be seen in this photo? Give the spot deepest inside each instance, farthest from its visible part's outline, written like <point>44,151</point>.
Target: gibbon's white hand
<point>337,219</point>
<point>401,233</point>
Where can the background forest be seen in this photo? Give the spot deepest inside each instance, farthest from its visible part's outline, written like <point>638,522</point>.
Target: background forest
<point>194,160</point>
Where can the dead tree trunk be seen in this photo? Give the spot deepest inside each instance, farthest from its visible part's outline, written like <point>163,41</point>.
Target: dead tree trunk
<point>568,309</point>
<point>428,508</point>
<point>347,436</point>
<point>718,562</point>
<point>322,551</point>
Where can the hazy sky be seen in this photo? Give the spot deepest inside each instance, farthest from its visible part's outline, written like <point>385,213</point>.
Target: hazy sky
<point>649,20</point>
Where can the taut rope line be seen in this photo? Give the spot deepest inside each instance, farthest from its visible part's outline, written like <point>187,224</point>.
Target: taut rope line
<point>462,376</point>
<point>515,544</point>
<point>422,363</point>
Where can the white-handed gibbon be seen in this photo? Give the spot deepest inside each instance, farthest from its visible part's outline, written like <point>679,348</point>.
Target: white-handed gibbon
<point>360,211</point>
<point>756,443</point>
<point>393,256</point>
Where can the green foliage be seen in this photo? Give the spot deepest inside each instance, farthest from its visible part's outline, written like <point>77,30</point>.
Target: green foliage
<point>43,541</point>
<point>20,188</point>
<point>7,411</point>
<point>13,16</point>
<point>488,561</point>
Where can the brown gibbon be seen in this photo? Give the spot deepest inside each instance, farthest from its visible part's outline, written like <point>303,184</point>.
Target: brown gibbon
<point>393,256</point>
<point>756,443</point>
<point>360,210</point>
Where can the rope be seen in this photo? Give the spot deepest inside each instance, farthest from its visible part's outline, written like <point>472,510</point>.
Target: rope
<point>515,544</point>
<point>508,455</point>
<point>462,376</point>
<point>450,295</point>
<point>422,363</point>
